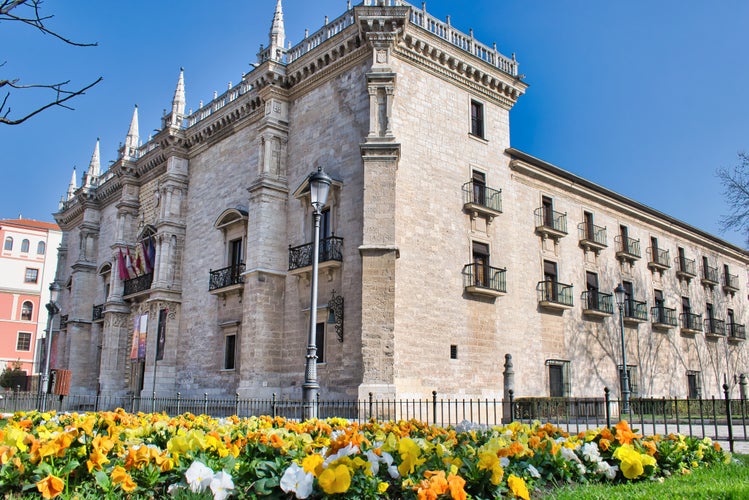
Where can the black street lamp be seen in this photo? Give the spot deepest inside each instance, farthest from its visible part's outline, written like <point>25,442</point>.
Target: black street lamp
<point>319,186</point>
<point>52,310</point>
<point>621,294</point>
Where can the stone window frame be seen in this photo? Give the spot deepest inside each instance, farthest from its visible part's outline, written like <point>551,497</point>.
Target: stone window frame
<point>697,384</point>
<point>477,117</point>
<point>566,374</point>
<point>27,315</point>
<point>233,222</point>
<point>23,339</point>
<point>333,203</point>
<point>230,329</point>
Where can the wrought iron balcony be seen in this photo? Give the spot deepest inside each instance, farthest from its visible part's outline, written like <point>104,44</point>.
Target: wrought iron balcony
<point>484,280</point>
<point>592,237</point>
<point>736,331</point>
<point>663,317</point>
<point>481,200</point>
<point>635,311</point>
<point>715,327</point>
<point>658,259</point>
<point>685,268</point>
<point>226,277</point>
<point>331,249</point>
<point>554,295</point>
<point>710,276</point>
<point>63,321</point>
<point>627,248</point>
<point>97,313</point>
<point>138,284</point>
<point>597,303</point>
<point>550,223</point>
<point>730,283</point>
<point>690,323</point>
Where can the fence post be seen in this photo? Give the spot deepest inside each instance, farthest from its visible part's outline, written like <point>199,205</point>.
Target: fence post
<point>512,405</point>
<point>236,404</point>
<point>273,406</point>
<point>509,385</point>
<point>132,403</point>
<point>742,386</point>
<point>153,402</point>
<point>179,402</point>
<point>205,403</point>
<point>729,419</point>
<point>370,405</point>
<point>607,398</point>
<point>317,402</point>
<point>434,407</point>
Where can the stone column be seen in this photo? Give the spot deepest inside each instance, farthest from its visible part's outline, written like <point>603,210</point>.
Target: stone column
<point>509,385</point>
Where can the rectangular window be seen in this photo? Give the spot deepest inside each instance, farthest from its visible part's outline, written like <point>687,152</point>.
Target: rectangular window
<point>31,276</point>
<point>23,343</point>
<point>591,282</point>
<point>453,351</point>
<point>559,378</point>
<point>589,232</point>
<point>479,187</point>
<point>730,323</point>
<point>230,351</point>
<point>235,252</point>
<point>477,119</point>
<point>320,342</point>
<point>694,388</point>
<point>548,208</point>
<point>481,263</point>
<point>633,382</point>
<point>629,307</point>
<point>550,279</point>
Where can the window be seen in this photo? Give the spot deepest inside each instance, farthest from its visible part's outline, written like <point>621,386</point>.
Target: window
<point>550,280</point>
<point>710,317</point>
<point>320,342</point>
<point>633,381</point>
<point>23,343</point>
<point>548,209</point>
<point>8,244</point>
<point>629,307</point>
<point>589,227</point>
<point>591,282</point>
<point>25,246</point>
<point>730,321</point>
<point>481,264</point>
<point>41,248</point>
<point>31,276</point>
<point>694,387</point>
<point>559,378</point>
<point>479,187</point>
<point>27,311</point>
<point>453,351</point>
<point>660,306</point>
<point>230,348</point>
<point>477,119</point>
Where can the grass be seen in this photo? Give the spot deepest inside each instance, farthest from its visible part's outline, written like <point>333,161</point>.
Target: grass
<point>721,482</point>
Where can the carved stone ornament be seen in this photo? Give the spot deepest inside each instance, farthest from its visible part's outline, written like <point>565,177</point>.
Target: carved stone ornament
<point>382,56</point>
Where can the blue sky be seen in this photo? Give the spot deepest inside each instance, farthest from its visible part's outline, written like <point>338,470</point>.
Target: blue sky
<point>644,97</point>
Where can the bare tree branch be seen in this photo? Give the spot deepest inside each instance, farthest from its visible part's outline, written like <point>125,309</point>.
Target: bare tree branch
<point>735,183</point>
<point>31,16</point>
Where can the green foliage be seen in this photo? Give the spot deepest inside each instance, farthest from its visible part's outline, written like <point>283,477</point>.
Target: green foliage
<point>11,376</point>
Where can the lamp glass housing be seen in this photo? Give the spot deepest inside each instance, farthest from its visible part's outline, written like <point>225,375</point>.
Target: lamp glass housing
<point>319,187</point>
<point>620,294</point>
<point>54,291</point>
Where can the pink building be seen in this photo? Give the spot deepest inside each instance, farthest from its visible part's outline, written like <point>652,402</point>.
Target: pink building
<point>28,260</point>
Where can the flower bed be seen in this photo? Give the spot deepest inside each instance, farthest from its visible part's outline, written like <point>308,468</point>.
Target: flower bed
<point>106,454</point>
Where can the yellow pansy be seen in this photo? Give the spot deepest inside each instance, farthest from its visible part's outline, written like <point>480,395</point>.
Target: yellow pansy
<point>335,479</point>
<point>517,487</point>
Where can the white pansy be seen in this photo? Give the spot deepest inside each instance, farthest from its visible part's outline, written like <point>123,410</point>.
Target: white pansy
<point>590,452</point>
<point>296,481</point>
<point>221,485</point>
<point>198,476</point>
<point>533,471</point>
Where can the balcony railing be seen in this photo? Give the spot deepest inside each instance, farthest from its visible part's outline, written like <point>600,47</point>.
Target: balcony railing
<point>685,268</point>
<point>484,280</point>
<point>730,283</point>
<point>663,317</point>
<point>736,331</point>
<point>479,198</point>
<point>627,248</point>
<point>97,312</point>
<point>597,303</point>
<point>658,258</point>
<point>138,284</point>
<point>63,321</point>
<point>715,327</point>
<point>592,236</point>
<point>552,293</point>
<point>710,275</point>
<point>550,223</point>
<point>691,322</point>
<point>228,276</point>
<point>635,310</point>
<point>331,249</point>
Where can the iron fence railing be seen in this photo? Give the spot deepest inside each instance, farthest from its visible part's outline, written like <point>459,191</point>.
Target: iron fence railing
<point>691,321</point>
<point>331,248</point>
<point>138,284</point>
<point>663,315</point>
<point>546,218</point>
<point>731,281</point>
<point>597,301</point>
<point>736,331</point>
<point>722,419</point>
<point>478,194</point>
<point>634,309</point>
<point>658,257</point>
<point>686,266</point>
<point>228,276</point>
<point>627,246</point>
<point>483,276</point>
<point>715,326</point>
<point>710,274</point>
<point>592,233</point>
<point>554,292</point>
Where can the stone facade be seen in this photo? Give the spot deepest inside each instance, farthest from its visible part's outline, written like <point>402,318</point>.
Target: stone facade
<point>212,224</point>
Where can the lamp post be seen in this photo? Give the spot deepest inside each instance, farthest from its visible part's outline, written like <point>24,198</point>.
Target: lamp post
<point>52,309</point>
<point>621,294</point>
<point>319,185</point>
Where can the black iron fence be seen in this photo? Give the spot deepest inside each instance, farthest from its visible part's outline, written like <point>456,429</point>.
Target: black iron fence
<point>138,284</point>
<point>228,276</point>
<point>722,419</point>
<point>331,248</point>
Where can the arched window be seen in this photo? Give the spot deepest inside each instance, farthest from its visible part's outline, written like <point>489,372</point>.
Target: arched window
<point>27,310</point>
<point>8,244</point>
<point>41,248</point>
<point>25,246</point>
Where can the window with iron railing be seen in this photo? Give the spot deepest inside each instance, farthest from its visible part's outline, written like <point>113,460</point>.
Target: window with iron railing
<point>636,310</point>
<point>691,321</point>
<point>597,301</point>
<point>550,219</point>
<point>484,276</point>
<point>627,246</point>
<point>554,292</point>
<point>228,276</point>
<point>658,257</point>
<point>736,331</point>
<point>715,326</point>
<point>686,266</point>
<point>731,281</point>
<point>663,315</point>
<point>478,194</point>
<point>590,233</point>
<point>97,312</point>
<point>138,284</point>
<point>331,249</point>
<point>709,274</point>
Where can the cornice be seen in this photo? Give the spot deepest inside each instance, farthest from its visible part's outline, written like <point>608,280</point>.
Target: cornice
<point>207,131</point>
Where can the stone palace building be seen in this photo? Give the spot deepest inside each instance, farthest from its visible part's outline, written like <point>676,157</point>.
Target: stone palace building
<point>186,265</point>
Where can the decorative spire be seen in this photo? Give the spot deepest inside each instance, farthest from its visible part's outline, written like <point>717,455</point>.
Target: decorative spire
<point>73,186</point>
<point>178,103</point>
<point>94,167</point>
<point>131,141</point>
<point>277,34</point>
